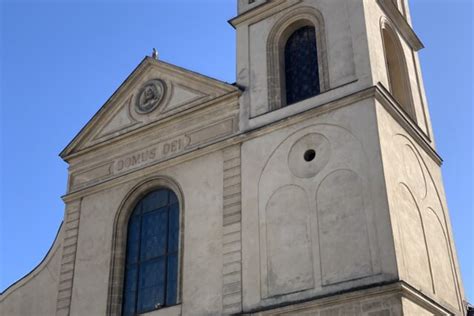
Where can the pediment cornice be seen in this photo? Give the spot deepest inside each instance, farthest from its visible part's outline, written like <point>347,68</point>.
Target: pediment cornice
<point>174,91</point>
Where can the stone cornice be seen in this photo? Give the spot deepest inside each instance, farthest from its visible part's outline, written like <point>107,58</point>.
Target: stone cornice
<point>427,300</point>
<point>262,11</point>
<point>395,110</point>
<point>224,90</point>
<point>401,24</point>
<point>376,92</point>
<point>64,154</point>
<point>396,287</point>
<point>199,109</point>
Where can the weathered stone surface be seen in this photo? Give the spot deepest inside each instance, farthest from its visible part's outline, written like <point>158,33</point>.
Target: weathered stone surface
<point>358,227</point>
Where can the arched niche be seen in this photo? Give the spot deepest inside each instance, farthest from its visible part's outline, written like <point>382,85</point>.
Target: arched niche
<point>397,72</point>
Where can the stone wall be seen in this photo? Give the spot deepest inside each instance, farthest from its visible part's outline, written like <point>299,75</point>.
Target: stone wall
<point>320,226</point>
<point>423,239</point>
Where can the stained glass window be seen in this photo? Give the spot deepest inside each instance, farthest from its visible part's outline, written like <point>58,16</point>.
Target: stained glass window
<point>301,65</point>
<point>151,267</point>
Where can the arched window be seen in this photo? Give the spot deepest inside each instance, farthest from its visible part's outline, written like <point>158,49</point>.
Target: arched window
<point>151,264</point>
<point>296,58</point>
<point>301,65</point>
<point>398,79</point>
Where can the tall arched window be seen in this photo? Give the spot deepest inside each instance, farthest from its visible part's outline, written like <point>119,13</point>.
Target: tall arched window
<point>297,61</point>
<point>301,65</point>
<point>398,79</point>
<point>151,264</point>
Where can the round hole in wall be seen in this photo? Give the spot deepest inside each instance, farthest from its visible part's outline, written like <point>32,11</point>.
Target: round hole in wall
<point>309,155</point>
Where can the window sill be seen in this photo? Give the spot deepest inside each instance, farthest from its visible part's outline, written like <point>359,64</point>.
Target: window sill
<point>299,107</point>
<point>165,311</point>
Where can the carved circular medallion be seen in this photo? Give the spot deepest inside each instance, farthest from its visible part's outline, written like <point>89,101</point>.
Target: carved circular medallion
<point>150,95</point>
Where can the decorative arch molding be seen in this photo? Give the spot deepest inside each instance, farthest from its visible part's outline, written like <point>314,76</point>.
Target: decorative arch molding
<point>433,205</point>
<point>281,31</point>
<point>444,283</point>
<point>119,238</point>
<point>399,83</point>
<point>411,228</point>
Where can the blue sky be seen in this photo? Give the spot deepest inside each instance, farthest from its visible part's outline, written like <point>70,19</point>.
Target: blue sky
<point>61,60</point>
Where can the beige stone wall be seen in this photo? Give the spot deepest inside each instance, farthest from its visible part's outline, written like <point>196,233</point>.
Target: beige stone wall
<point>312,228</point>
<point>394,299</point>
<point>376,17</point>
<point>411,308</point>
<point>343,51</point>
<point>109,161</point>
<point>262,226</point>
<point>201,183</point>
<point>383,302</point>
<point>308,229</point>
<point>36,293</point>
<point>419,214</point>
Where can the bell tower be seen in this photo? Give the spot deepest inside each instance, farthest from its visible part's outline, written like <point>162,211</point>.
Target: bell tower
<point>343,206</point>
<point>311,186</point>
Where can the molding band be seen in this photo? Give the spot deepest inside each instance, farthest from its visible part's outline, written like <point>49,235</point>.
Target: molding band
<point>401,24</point>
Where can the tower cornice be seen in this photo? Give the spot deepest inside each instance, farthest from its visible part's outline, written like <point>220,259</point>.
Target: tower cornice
<point>401,24</point>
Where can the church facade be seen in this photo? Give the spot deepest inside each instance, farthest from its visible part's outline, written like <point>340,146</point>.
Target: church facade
<point>311,186</point>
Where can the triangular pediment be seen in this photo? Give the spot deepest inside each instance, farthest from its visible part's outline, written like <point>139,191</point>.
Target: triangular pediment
<point>154,90</point>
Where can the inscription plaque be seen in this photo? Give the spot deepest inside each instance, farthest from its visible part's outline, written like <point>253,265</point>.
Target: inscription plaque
<point>151,154</point>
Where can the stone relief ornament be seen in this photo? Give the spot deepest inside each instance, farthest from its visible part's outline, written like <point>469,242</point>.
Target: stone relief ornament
<point>149,96</point>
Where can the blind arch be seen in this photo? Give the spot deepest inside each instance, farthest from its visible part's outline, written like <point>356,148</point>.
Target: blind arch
<point>397,73</point>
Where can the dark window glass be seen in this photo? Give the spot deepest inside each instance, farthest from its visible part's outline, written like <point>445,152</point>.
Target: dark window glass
<point>130,291</point>
<point>154,234</point>
<point>151,268</point>
<point>301,65</point>
<point>133,240</point>
<point>155,200</point>
<point>173,227</point>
